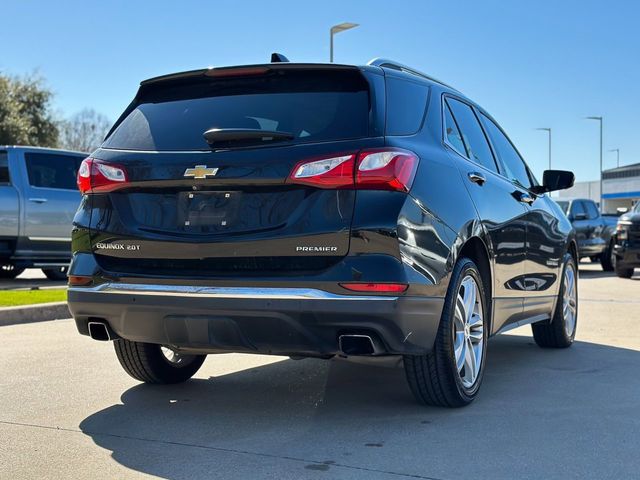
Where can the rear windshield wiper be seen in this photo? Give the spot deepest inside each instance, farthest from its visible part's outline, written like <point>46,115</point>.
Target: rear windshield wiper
<point>229,136</point>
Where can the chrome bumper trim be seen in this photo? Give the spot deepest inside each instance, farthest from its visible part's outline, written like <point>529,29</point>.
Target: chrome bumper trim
<point>225,292</point>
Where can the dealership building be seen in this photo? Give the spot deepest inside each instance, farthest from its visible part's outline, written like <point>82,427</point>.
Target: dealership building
<point>620,187</point>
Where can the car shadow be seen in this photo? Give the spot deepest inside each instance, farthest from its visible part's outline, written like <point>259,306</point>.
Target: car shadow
<point>584,273</point>
<point>316,415</point>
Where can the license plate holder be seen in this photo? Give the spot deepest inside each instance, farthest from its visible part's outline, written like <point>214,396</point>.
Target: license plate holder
<point>210,211</point>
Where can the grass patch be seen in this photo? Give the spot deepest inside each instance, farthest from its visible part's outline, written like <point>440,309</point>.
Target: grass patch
<point>12,298</point>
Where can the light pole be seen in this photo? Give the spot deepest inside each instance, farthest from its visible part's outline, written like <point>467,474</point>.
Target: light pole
<point>599,119</point>
<point>617,150</point>
<point>548,130</point>
<point>341,27</point>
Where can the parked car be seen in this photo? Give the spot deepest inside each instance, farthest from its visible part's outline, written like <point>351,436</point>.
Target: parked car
<point>38,199</point>
<point>315,210</point>
<point>593,230</point>
<point>626,250</point>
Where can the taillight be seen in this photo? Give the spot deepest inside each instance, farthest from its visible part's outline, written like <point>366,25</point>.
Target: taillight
<point>333,172</point>
<point>380,169</point>
<point>386,169</point>
<point>376,287</point>
<point>97,176</point>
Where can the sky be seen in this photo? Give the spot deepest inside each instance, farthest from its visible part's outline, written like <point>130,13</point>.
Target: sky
<point>530,64</point>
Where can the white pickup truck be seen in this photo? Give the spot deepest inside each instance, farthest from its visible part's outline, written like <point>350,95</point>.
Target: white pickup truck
<point>38,199</point>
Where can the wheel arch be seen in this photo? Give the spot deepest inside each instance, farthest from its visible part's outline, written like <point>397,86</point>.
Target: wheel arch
<point>476,249</point>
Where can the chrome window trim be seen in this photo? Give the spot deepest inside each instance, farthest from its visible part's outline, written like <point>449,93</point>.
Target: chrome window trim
<point>225,292</point>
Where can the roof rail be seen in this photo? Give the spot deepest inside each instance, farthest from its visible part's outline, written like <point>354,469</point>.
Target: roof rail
<point>384,62</point>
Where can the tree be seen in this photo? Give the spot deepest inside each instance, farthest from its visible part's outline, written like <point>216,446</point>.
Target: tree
<point>84,131</point>
<point>25,112</point>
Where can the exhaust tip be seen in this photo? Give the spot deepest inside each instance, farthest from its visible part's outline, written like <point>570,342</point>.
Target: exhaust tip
<point>358,345</point>
<point>99,331</point>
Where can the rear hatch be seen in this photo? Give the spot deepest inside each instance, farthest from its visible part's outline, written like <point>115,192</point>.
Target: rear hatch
<point>184,204</point>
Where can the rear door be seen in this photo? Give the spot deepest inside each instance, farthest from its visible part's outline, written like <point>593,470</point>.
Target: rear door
<point>578,217</point>
<point>9,208</point>
<point>51,199</point>
<point>190,208</point>
<point>498,205</point>
<point>546,243</point>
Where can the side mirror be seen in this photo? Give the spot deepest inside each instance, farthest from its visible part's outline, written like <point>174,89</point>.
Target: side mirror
<point>621,210</point>
<point>553,180</point>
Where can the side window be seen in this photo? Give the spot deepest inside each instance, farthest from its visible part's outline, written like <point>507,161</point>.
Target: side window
<point>513,164</point>
<point>472,134</point>
<point>4,168</point>
<point>592,210</point>
<point>577,209</point>
<point>406,104</point>
<point>51,170</point>
<point>453,134</point>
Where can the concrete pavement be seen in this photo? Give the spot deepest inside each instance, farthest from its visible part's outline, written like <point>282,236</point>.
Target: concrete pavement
<point>68,410</point>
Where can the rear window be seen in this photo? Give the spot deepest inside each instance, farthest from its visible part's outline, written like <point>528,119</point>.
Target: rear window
<point>4,168</point>
<point>312,105</point>
<point>406,105</point>
<point>52,170</point>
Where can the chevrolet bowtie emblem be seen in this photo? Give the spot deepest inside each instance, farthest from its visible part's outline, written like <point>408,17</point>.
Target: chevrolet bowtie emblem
<point>200,171</point>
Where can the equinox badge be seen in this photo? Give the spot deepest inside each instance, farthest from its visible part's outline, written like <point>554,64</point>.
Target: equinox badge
<point>200,171</point>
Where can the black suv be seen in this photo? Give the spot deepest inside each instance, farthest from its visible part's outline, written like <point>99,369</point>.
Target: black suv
<point>315,210</point>
<point>626,251</point>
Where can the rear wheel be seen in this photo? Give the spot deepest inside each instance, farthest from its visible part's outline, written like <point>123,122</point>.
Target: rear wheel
<point>624,272</point>
<point>57,273</point>
<point>606,259</point>
<point>9,270</point>
<point>151,363</point>
<point>450,375</point>
<point>562,329</point>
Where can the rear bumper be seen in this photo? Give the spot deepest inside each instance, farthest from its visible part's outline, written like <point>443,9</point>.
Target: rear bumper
<point>257,320</point>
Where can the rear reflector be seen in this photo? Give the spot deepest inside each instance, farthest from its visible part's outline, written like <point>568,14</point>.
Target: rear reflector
<point>97,176</point>
<point>376,287</point>
<point>380,169</point>
<point>79,280</point>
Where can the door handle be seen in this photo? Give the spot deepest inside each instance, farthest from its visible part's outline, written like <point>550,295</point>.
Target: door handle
<point>526,198</point>
<point>476,177</point>
<point>38,200</point>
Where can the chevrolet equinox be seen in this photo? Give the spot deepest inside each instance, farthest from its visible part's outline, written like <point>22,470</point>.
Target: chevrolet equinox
<point>315,210</point>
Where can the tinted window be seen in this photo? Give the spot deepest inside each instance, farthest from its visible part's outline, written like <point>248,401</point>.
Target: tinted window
<point>453,134</point>
<point>513,165</point>
<point>312,105</point>
<point>406,104</point>
<point>472,134</point>
<point>4,168</point>
<point>591,209</point>
<point>577,208</point>
<point>50,170</point>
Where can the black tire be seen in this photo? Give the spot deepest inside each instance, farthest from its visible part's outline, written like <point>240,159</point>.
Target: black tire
<point>623,272</point>
<point>8,271</point>
<point>58,273</point>
<point>434,378</point>
<point>147,363</point>
<point>554,334</point>
<point>606,259</point>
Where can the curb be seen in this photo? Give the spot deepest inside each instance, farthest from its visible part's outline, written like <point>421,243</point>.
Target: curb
<point>39,312</point>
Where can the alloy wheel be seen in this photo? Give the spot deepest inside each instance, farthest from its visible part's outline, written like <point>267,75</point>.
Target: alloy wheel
<point>468,326</point>
<point>569,300</point>
<point>172,356</point>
